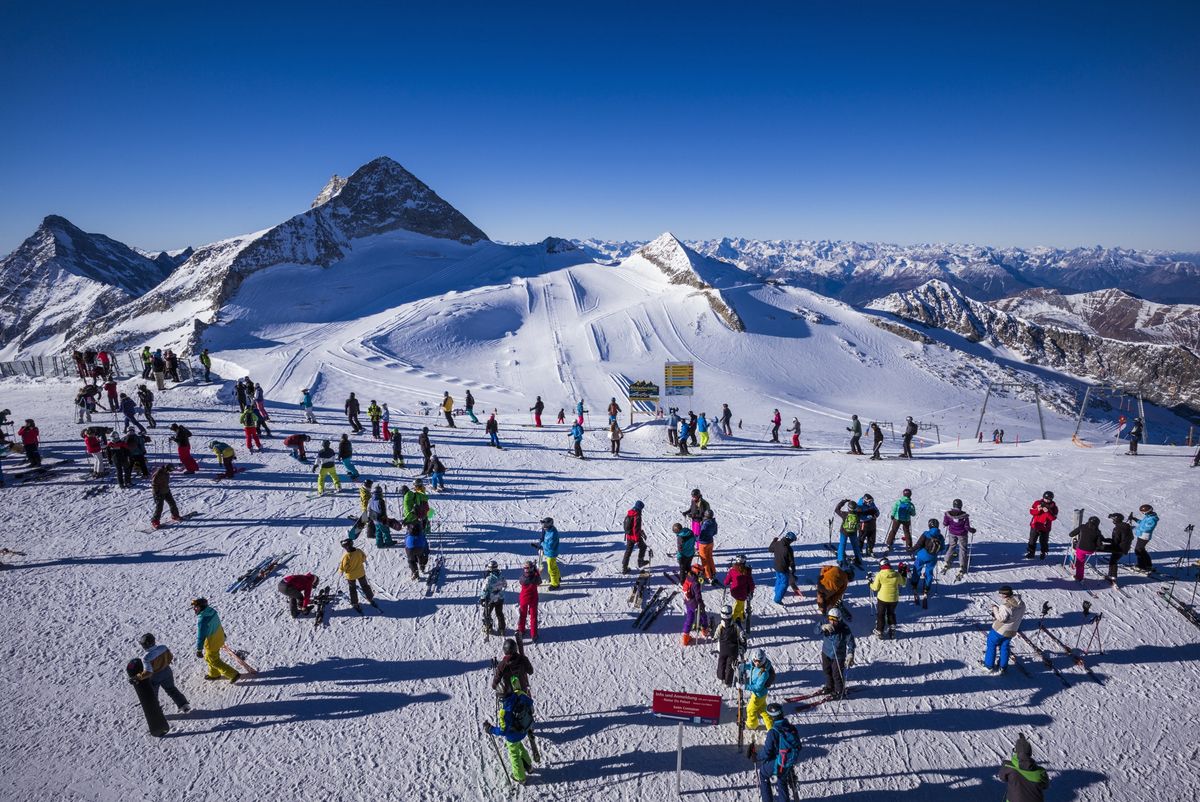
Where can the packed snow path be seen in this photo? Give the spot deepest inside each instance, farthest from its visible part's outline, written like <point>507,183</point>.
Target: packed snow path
<point>388,706</point>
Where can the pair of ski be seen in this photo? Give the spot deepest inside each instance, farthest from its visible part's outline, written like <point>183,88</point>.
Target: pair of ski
<point>653,609</point>
<point>807,701</point>
<point>434,575</point>
<point>1045,659</point>
<point>256,575</point>
<point>637,595</point>
<point>1070,653</point>
<point>1183,608</point>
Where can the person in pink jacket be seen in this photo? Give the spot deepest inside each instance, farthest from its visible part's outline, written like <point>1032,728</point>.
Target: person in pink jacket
<point>740,582</point>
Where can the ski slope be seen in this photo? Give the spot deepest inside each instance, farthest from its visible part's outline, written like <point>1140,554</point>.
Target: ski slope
<point>388,706</point>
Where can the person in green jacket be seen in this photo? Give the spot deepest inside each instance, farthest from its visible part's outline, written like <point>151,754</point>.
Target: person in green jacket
<point>210,637</point>
<point>206,363</point>
<point>249,421</point>
<point>374,414</point>
<point>1026,780</point>
<point>902,514</point>
<point>855,429</point>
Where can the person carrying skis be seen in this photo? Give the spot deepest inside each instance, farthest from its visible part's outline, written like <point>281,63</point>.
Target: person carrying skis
<point>831,586</point>
<point>352,408</point>
<point>182,438</point>
<point>296,443</point>
<point>685,548</point>
<point>837,653</point>
<point>1026,780</point>
<point>778,757</point>
<point>239,390</point>
<point>513,665</point>
<point>157,661</point>
<point>492,429</point>
<point>958,527</point>
<point>299,589</point>
<point>614,438</point>
<point>876,440</point>
<point>705,541</point>
<point>426,448</point>
<point>795,430</point>
<point>776,422</point>
<point>1006,620</point>
<point>1086,539</point>
<point>152,709</point>
<point>1042,513</point>
<point>726,418</point>
<point>374,415</point>
<point>385,421</point>
<point>160,486</point>
<point>613,411</point>
<point>785,564</point>
<point>346,455</point>
<point>354,568</point>
<point>224,454</point>
<point>306,403</point>
<point>740,581</point>
<point>731,640</point>
<point>514,720</point>
<point>527,600</point>
<point>210,637</point>
<point>1119,543</point>
<point>847,510</point>
<point>448,409</point>
<point>673,427</point>
<point>437,474</point>
<point>249,421</point>
<point>910,431</point>
<point>693,605</point>
<point>868,514</point>
<point>537,409</point>
<point>759,677</point>
<point>377,518</point>
<point>928,546</point>
<point>1135,436</point>
<point>855,429</point>
<point>903,511</point>
<point>635,537</point>
<point>886,587</point>
<point>397,449</point>
<point>491,599</point>
<point>576,436</point>
<point>682,431</point>
<point>1143,532</point>
<point>549,549</point>
<point>469,403</point>
<point>206,363</point>
<point>325,466</point>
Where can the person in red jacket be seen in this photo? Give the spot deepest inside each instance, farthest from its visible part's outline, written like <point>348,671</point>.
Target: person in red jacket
<point>110,389</point>
<point>528,600</point>
<point>29,439</point>
<point>635,537</point>
<point>296,443</point>
<point>94,449</point>
<point>299,589</point>
<point>1043,512</point>
<point>740,582</point>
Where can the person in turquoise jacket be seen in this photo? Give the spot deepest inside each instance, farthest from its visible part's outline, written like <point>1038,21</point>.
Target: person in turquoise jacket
<point>210,637</point>
<point>1144,531</point>
<point>306,403</point>
<point>577,439</point>
<point>549,548</point>
<point>759,677</point>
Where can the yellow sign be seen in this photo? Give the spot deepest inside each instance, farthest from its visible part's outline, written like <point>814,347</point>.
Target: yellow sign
<point>679,378</point>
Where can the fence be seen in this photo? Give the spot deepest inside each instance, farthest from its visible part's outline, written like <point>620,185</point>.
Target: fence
<point>64,367</point>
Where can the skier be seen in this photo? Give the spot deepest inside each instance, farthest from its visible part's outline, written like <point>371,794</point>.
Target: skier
<point>345,453</point>
<point>695,512</point>
<point>139,678</point>
<point>704,546</point>
<point>206,363</point>
<point>726,417</point>
<point>160,486</point>
<point>30,440</point>
<point>549,549</point>
<point>579,412</point>
<point>183,442</point>
<point>416,547</point>
<point>576,436</point>
<point>785,564</point>
<point>778,756</point>
<point>325,466</point>
<point>296,443</point>
<point>374,415</point>
<point>514,721</point>
<point>613,411</point>
<point>795,430</point>
<point>157,661</point>
<point>537,409</point>
<point>354,568</point>
<point>249,421</point>
<point>91,444</point>
<point>702,430</point>
<point>759,677</point>
<point>685,548</point>
<point>210,637</point>
<point>837,653</point>
<point>513,665</point>
<point>377,518</point>
<point>1135,436</point>
<point>731,640</point>
<point>306,403</point>
<point>527,601</point>
<point>831,586</point>
<point>110,390</point>
<point>1120,542</point>
<point>614,437</point>
<point>129,410</point>
<point>958,527</point>
<point>224,454</point>
<point>1043,512</point>
<point>492,428</point>
<point>1144,531</point>
<point>902,512</point>
<point>172,365</point>
<point>1025,779</point>
<point>855,429</point>
<point>693,604</point>
<point>469,403</point>
<point>740,581</point>
<point>426,449</point>
<point>83,409</point>
<point>693,422</point>
<point>260,411</point>
<point>928,546</point>
<point>397,449</point>
<point>448,409</point>
<point>137,452</point>
<point>239,390</point>
<point>848,531</point>
<point>776,422</point>
<point>635,537</point>
<point>437,474</point>
<point>1006,620</point>
<point>886,587</point>
<point>299,589</point>
<point>876,440</point>
<point>352,409</point>
<point>385,419</point>
<point>868,514</point>
<point>146,359</point>
<point>118,455</point>
<point>1086,539</point>
<point>681,436</point>
<point>910,431</point>
<point>491,599</point>
<point>673,427</point>
<point>562,415</point>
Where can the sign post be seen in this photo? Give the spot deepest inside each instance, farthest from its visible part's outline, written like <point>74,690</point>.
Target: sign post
<point>679,378</point>
<point>641,391</point>
<point>694,708</point>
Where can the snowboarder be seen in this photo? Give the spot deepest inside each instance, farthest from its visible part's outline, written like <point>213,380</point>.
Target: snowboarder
<point>685,548</point>
<point>224,454</point>
<point>704,546</point>
<point>397,449</point>
<point>299,589</point>
<point>151,708</point>
<point>306,403</point>
<point>352,409</point>
<point>160,485</point>
<point>1143,532</point>
<point>903,511</point>
<point>876,440</point>
<point>928,546</point>
<point>778,756</point>
<point>210,637</point>
<point>182,438</point>
<point>325,466</point>
<point>847,510</point>
<point>549,549</point>
<point>206,363</point>
<point>759,677</point>
<point>1006,620</point>
<point>374,415</point>
<point>1135,436</point>
<point>958,527</point>
<point>249,421</point>
<point>910,431</point>
<point>855,429</point>
<point>346,455</point>
<point>354,568</point>
<point>726,417</point>
<point>1086,539</point>
<point>868,514</point>
<point>1025,779</point>
<point>795,430</point>
<point>740,581</point>
<point>614,437</point>
<point>492,428</point>
<point>785,564</point>
<point>377,518</point>
<point>837,653</point>
<point>514,720</point>
<point>437,474</point>
<point>1119,543</point>
<point>731,641</point>
<point>469,404</point>
<point>886,587</point>
<point>1043,512</point>
<point>448,409</point>
<point>527,601</point>
<point>157,661</point>
<point>537,409</point>
<point>296,443</point>
<point>776,422</point>
<point>491,599</point>
<point>635,537</point>
<point>514,664</point>
<point>576,436</point>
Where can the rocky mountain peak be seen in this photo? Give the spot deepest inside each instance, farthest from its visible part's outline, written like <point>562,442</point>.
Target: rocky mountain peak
<point>332,188</point>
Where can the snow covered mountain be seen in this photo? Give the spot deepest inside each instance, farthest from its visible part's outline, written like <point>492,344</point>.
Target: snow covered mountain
<point>1166,374</point>
<point>60,275</point>
<point>1108,313</point>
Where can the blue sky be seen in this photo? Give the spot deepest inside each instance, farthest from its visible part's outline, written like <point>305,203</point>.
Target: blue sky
<point>999,123</point>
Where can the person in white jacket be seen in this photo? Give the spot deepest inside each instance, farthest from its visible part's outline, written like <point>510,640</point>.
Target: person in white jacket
<point>1006,620</point>
<point>491,598</point>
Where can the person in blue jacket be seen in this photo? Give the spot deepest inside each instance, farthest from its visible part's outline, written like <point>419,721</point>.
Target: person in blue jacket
<point>577,438</point>
<point>681,437</point>
<point>928,546</point>
<point>672,426</point>
<point>702,430</point>
<point>306,403</point>
<point>1144,531</point>
<point>514,721</point>
<point>778,757</point>
<point>549,549</point>
<point>416,545</point>
<point>837,652</point>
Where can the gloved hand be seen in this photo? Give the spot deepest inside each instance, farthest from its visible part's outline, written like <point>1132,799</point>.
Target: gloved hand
<point>827,629</point>
<point>199,652</point>
<point>971,529</point>
<point>849,661</point>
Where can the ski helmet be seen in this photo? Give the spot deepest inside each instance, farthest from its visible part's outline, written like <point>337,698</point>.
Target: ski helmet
<point>884,563</point>
<point>834,613</point>
<point>1093,521</point>
<point>639,506</point>
<point>199,603</point>
<point>775,711</point>
<point>493,565</point>
<point>1005,590</point>
<point>956,504</point>
<point>760,656</point>
<point>146,641</point>
<point>790,537</point>
<point>1116,516</point>
<point>906,493</point>
<point>933,523</point>
<point>727,611</point>
<point>695,492</point>
<point>348,543</point>
<point>1048,495</point>
<point>510,646</point>
<point>425,429</point>
<point>708,515</point>
<point>547,522</point>
<point>868,497</point>
<point>1145,508</point>
<point>740,559</point>
<point>325,443</point>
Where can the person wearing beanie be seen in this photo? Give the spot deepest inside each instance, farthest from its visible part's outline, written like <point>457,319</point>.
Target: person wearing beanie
<point>635,537</point>
<point>785,564</point>
<point>886,587</point>
<point>210,637</point>
<point>1144,531</point>
<point>1006,620</point>
<point>1119,543</point>
<point>778,757</point>
<point>837,653</point>
<point>1026,780</point>
<point>903,511</point>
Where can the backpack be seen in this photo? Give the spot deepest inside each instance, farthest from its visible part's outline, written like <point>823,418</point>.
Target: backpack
<point>906,509</point>
<point>789,750</point>
<point>850,522</point>
<point>933,545</point>
<point>628,525</point>
<point>519,715</point>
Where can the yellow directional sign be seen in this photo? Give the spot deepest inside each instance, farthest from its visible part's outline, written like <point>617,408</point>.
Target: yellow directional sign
<point>679,378</point>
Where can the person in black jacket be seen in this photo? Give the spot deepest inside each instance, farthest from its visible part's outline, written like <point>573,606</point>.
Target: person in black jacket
<point>731,641</point>
<point>785,564</point>
<point>876,441</point>
<point>1135,436</point>
<point>1087,539</point>
<point>352,408</point>
<point>910,431</point>
<point>1026,780</point>
<point>1119,543</point>
<point>514,663</point>
<point>426,449</point>
<point>537,409</point>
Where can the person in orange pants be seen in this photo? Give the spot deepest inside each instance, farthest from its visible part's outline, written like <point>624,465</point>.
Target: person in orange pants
<point>704,547</point>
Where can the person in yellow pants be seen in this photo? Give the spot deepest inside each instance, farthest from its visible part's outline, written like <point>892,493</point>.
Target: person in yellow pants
<point>760,675</point>
<point>702,431</point>
<point>210,637</point>
<point>549,548</point>
<point>326,466</point>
